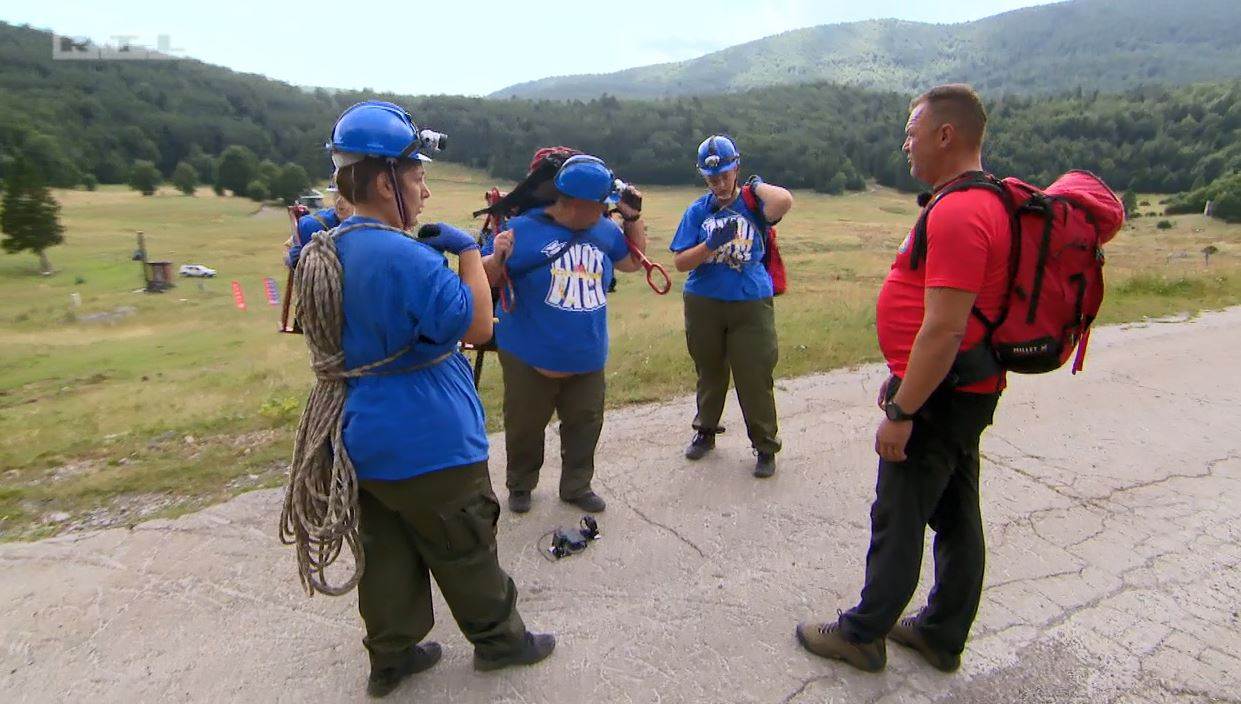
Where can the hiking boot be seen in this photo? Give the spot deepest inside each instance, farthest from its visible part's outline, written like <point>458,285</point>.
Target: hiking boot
<point>907,633</point>
<point>765,466</point>
<point>826,640</point>
<point>702,443</point>
<point>590,502</point>
<point>519,501</point>
<point>419,658</point>
<point>534,648</point>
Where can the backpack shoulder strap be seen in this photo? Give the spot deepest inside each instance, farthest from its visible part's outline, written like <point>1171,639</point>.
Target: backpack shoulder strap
<point>750,198</point>
<point>975,180</point>
<point>321,220</point>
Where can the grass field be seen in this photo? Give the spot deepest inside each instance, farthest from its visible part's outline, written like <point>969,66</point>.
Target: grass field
<point>168,402</point>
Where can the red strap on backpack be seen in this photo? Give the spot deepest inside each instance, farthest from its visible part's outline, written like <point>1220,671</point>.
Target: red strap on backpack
<point>772,261</point>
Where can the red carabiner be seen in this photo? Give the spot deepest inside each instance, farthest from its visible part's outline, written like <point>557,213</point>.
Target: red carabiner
<point>651,267</point>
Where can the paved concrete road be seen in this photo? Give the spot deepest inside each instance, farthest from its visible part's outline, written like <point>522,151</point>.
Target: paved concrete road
<point>1111,500</point>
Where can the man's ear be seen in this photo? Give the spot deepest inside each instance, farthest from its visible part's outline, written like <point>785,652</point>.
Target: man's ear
<point>947,135</point>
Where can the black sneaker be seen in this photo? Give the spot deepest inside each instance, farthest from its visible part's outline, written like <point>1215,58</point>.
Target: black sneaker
<point>590,502</point>
<point>765,465</point>
<point>419,658</point>
<point>534,648</point>
<point>702,443</point>
<point>519,501</point>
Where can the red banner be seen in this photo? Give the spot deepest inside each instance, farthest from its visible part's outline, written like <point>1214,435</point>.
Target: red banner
<point>238,297</point>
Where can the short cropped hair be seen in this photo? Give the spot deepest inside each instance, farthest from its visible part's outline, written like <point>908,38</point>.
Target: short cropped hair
<point>958,104</point>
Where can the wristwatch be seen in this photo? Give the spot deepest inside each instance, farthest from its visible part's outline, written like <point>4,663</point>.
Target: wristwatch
<point>894,412</point>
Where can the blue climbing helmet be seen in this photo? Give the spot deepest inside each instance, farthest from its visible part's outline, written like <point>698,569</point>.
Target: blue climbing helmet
<point>588,178</point>
<point>379,129</point>
<point>717,154</point>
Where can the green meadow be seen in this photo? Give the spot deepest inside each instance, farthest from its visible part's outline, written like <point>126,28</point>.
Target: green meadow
<point>134,405</point>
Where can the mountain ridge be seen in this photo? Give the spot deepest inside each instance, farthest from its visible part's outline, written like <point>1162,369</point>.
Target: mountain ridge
<point>1109,45</point>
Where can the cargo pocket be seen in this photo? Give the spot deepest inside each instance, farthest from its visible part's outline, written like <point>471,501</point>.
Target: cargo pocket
<point>471,526</point>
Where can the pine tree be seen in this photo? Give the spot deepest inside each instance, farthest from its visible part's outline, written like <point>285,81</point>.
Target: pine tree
<point>31,217</point>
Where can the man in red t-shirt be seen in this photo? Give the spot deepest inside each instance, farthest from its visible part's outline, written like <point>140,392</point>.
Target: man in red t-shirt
<point>928,440</point>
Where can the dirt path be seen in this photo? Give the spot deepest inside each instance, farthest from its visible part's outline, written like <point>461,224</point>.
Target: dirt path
<point>1112,500</point>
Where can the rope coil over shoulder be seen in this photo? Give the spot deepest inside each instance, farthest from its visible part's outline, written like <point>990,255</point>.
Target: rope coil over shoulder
<point>320,514</point>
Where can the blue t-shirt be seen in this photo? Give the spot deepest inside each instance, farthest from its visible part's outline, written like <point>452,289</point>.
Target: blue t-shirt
<point>734,272</point>
<point>559,320</point>
<point>399,291</point>
<point>308,225</point>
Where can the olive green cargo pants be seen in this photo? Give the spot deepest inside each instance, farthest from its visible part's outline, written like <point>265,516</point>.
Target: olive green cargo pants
<point>530,398</point>
<point>443,523</point>
<point>736,338</point>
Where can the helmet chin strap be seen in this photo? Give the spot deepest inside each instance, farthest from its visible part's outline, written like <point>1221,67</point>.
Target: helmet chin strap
<point>401,211</point>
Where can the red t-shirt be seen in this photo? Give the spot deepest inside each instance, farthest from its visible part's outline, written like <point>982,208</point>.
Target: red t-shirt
<point>968,242</point>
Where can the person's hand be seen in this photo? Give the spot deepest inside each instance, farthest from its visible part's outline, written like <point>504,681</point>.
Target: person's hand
<point>502,245</point>
<point>891,439</point>
<point>754,181</point>
<point>722,235</point>
<point>883,393</point>
<point>446,238</point>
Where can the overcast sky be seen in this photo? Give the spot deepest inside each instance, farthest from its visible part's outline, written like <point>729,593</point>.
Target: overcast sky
<point>465,46</point>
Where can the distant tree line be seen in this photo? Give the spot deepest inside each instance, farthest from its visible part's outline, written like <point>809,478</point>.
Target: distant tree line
<point>82,123</point>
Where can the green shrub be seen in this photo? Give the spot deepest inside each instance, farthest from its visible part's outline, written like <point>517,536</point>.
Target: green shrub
<point>257,191</point>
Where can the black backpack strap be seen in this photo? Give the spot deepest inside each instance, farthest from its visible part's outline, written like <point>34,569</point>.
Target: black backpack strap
<point>979,362</point>
<point>974,179</point>
<point>524,195</point>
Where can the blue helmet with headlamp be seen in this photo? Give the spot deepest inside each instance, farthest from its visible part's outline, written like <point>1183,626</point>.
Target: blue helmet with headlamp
<point>383,130</point>
<point>586,177</point>
<point>717,154</point>
<point>380,129</point>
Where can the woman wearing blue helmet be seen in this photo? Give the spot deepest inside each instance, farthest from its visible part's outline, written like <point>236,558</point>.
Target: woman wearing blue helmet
<point>391,452</point>
<point>553,338</point>
<point>729,316</point>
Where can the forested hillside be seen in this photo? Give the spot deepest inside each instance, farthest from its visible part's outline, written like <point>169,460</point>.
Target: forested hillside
<point>96,119</point>
<point>1108,45</point>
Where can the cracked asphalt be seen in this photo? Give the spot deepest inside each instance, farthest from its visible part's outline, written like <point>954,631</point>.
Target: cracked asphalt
<point>1113,518</point>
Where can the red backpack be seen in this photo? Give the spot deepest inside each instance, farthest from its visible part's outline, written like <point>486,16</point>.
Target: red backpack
<point>772,260</point>
<point>1055,284</point>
